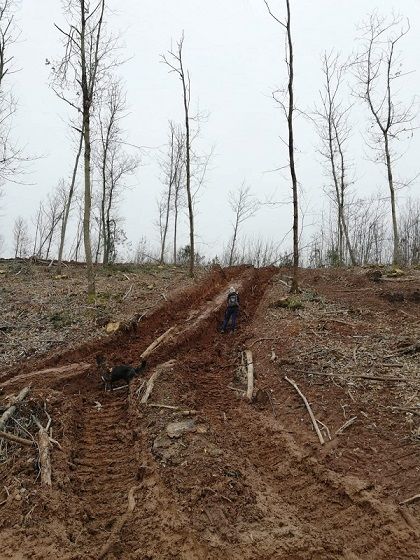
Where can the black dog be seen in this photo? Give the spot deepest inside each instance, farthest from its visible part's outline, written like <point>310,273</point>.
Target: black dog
<point>117,373</point>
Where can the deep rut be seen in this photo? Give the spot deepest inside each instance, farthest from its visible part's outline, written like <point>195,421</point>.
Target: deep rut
<point>106,465</point>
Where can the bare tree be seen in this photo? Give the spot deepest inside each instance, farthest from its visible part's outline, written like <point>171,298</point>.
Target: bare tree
<point>114,164</point>
<point>68,202</point>
<point>409,228</point>
<point>378,69</point>
<point>20,238</point>
<point>244,206</point>
<point>172,168</point>
<point>174,61</point>
<point>288,106</point>
<point>77,80</point>
<point>48,218</point>
<point>334,131</point>
<point>10,155</point>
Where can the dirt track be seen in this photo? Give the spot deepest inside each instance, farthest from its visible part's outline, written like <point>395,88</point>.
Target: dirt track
<point>248,482</point>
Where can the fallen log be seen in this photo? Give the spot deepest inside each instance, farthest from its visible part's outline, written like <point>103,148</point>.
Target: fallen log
<point>150,383</point>
<point>119,524</point>
<point>308,408</point>
<point>16,439</point>
<point>54,375</point>
<point>12,409</point>
<point>156,343</point>
<point>250,374</point>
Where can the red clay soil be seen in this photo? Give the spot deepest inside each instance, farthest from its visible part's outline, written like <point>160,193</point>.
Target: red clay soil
<point>243,480</point>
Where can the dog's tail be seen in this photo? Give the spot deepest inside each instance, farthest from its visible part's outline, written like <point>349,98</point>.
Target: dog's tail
<point>141,367</point>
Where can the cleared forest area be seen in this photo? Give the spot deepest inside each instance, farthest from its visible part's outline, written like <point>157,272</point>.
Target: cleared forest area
<point>185,463</point>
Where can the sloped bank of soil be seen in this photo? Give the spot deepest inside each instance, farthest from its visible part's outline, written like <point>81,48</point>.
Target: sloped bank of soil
<point>243,481</point>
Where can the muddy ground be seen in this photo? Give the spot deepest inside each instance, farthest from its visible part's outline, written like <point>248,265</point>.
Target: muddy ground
<point>198,472</point>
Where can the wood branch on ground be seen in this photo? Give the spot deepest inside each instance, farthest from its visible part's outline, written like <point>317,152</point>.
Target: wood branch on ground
<point>412,349</point>
<point>409,500</point>
<point>12,409</point>
<point>44,444</point>
<point>150,383</point>
<point>171,407</point>
<point>56,374</point>
<point>16,439</point>
<point>368,377</point>
<point>263,339</point>
<point>346,425</point>
<point>156,343</point>
<point>119,524</point>
<point>250,374</point>
<point>309,409</point>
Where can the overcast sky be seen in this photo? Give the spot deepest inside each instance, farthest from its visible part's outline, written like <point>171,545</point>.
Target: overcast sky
<point>235,54</point>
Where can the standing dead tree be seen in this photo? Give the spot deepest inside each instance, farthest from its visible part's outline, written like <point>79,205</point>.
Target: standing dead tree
<point>288,107</point>
<point>172,167</point>
<point>378,69</point>
<point>334,131</point>
<point>174,60</point>
<point>114,165</point>
<point>68,202</point>
<point>48,218</point>
<point>10,155</point>
<point>20,238</point>
<point>245,206</point>
<point>77,81</point>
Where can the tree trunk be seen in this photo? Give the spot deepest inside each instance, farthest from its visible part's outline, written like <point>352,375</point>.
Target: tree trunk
<point>68,205</point>
<point>188,172</point>
<point>88,206</point>
<point>232,249</point>
<point>396,259</point>
<point>295,284</point>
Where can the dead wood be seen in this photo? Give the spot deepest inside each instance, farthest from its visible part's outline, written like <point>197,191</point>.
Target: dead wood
<point>410,410</point>
<point>171,407</point>
<point>346,425</point>
<point>311,414</point>
<point>56,374</point>
<point>412,349</point>
<point>250,374</point>
<point>150,383</point>
<point>16,439</point>
<point>262,339</point>
<point>119,524</point>
<point>12,409</point>
<point>156,343</point>
<point>368,377</point>
<point>44,444</point>
<point>409,500</point>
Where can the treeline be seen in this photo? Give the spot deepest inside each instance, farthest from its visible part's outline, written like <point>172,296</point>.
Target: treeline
<point>351,231</point>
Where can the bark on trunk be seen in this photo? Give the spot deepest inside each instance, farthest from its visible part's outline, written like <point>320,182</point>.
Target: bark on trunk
<point>68,205</point>
<point>295,281</point>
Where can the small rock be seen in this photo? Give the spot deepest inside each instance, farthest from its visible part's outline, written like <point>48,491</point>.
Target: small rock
<point>177,429</point>
<point>112,327</point>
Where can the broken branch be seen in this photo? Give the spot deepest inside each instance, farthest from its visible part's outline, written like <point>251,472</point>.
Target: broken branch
<point>308,408</point>
<point>12,409</point>
<point>16,439</point>
<point>154,376</point>
<point>250,374</point>
<point>156,343</point>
